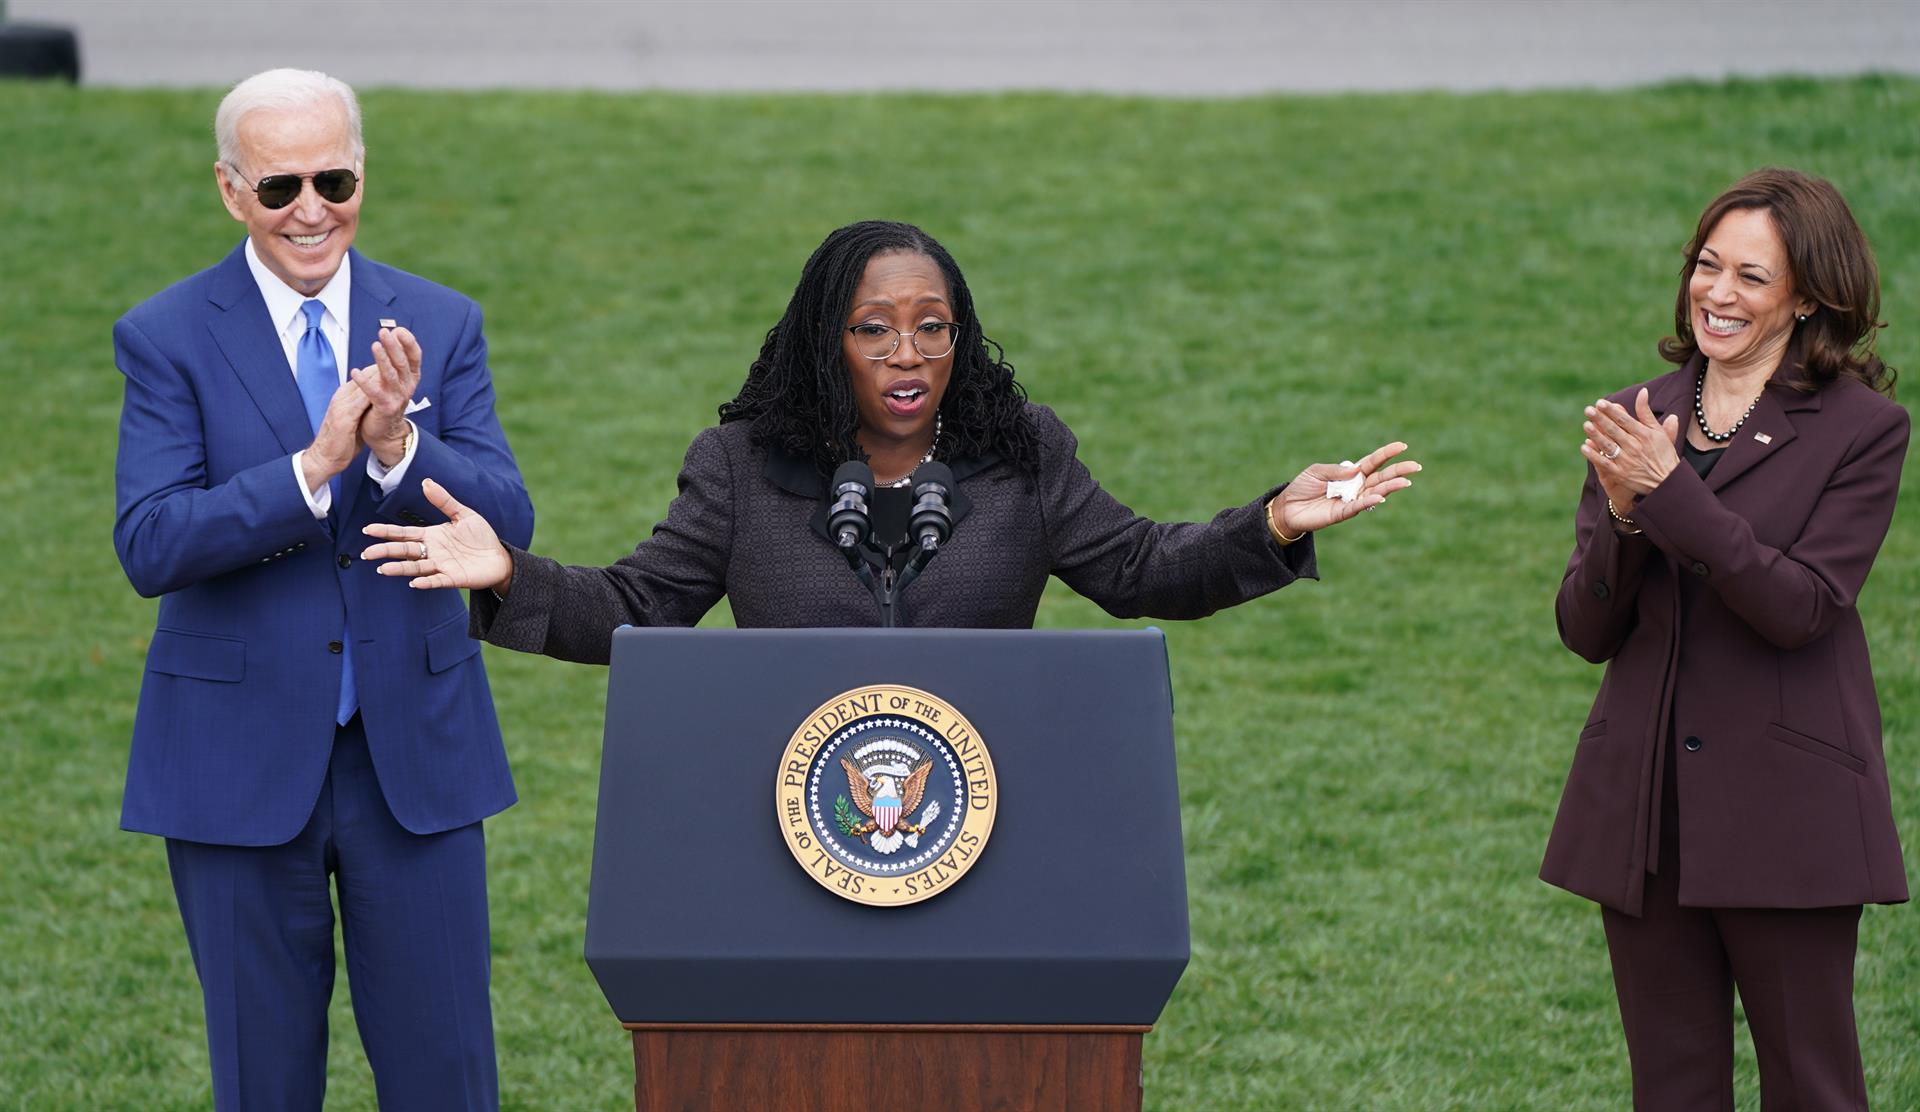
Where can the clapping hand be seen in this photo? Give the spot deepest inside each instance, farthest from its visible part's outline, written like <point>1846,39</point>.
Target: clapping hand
<point>1631,452</point>
<point>389,385</point>
<point>338,440</point>
<point>462,552</point>
<point>1304,507</point>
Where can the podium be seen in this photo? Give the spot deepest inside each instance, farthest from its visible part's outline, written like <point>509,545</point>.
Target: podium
<point>1025,983</point>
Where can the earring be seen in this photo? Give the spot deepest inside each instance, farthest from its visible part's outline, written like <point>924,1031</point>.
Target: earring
<point>1803,318</point>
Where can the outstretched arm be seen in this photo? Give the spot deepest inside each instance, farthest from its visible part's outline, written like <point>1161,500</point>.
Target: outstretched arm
<point>1135,567</point>
<point>670,579</point>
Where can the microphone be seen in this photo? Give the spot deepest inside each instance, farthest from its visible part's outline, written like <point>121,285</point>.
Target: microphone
<point>932,520</point>
<point>850,522</point>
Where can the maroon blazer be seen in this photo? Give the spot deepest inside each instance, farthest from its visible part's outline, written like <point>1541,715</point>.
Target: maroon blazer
<point>1782,784</point>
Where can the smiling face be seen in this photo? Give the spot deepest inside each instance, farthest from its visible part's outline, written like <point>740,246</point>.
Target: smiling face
<point>898,396</point>
<point>305,242</point>
<point>1742,293</point>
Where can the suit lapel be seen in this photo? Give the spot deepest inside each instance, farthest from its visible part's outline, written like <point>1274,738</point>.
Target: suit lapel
<point>369,305</point>
<point>1765,432</point>
<point>247,338</point>
<point>371,301</point>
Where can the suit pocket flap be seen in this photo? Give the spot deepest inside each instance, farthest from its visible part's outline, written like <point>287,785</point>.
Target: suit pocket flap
<point>448,644</point>
<point>1817,747</point>
<point>197,656</point>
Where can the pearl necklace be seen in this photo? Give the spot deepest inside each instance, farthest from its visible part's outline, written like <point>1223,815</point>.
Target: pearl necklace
<point>1700,411</point>
<point>928,458</point>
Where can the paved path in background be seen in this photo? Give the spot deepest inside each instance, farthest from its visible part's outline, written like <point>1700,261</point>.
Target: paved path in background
<point>1196,47</point>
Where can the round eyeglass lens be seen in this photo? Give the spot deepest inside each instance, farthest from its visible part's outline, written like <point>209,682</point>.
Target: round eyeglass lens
<point>934,340</point>
<point>874,341</point>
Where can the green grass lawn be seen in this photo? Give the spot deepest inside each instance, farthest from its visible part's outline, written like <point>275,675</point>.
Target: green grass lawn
<point>1212,293</point>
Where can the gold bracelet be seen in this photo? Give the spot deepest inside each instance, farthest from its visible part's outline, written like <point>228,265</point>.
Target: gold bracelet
<point>1631,529</point>
<point>1274,530</point>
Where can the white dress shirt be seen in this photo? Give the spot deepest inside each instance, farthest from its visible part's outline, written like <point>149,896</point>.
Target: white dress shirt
<point>290,323</point>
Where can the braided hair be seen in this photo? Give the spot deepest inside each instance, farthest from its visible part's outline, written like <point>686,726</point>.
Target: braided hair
<point>798,394</point>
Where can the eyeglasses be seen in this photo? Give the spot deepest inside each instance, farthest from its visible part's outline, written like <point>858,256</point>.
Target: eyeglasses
<point>277,191</point>
<point>933,340</point>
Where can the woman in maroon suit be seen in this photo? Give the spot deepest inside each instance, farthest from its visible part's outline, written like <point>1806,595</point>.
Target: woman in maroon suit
<point>1728,802</point>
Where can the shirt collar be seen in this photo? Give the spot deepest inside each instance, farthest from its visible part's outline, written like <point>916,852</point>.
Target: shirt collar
<point>283,301</point>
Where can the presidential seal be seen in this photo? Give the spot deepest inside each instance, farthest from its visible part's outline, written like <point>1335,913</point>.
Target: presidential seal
<point>885,795</point>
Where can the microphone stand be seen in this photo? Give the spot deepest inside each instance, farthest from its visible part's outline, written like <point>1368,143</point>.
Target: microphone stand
<point>886,593</point>
<point>930,526</point>
<point>886,587</point>
<point>851,526</point>
<point>923,555</point>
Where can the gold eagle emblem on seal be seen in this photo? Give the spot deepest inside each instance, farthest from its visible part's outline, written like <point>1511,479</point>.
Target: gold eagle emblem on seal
<point>885,795</point>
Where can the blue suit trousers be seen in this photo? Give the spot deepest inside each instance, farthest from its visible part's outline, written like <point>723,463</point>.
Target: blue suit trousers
<point>413,911</point>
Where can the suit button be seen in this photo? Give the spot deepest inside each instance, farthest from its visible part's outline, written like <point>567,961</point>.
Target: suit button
<point>335,647</point>
<point>1599,590</point>
<point>345,559</point>
<point>1699,568</point>
<point>1692,743</point>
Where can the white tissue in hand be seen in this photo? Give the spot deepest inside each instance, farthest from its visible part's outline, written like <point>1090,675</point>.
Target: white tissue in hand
<point>1346,490</point>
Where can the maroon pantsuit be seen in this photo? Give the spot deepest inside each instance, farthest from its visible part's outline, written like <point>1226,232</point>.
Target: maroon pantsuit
<point>1728,803</point>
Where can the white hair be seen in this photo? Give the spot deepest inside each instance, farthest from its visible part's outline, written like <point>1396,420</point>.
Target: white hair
<point>280,89</point>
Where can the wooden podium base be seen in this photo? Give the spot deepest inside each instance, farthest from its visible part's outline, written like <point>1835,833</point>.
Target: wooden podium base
<point>835,1067</point>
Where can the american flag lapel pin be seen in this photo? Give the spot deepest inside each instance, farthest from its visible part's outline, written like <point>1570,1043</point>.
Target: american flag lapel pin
<point>387,322</point>
<point>1763,438</point>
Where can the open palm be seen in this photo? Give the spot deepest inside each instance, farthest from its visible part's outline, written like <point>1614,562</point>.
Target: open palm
<point>461,552</point>
<point>1304,506</point>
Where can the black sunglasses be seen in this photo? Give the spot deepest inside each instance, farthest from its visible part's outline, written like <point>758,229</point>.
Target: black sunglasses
<point>277,191</point>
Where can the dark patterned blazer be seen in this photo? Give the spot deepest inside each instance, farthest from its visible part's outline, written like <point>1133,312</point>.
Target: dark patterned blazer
<point>1729,629</point>
<point>751,525</point>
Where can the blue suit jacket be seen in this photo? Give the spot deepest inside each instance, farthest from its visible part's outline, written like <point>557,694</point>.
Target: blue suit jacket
<point>236,716</point>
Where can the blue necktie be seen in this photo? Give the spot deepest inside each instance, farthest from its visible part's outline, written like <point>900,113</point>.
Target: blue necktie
<point>319,377</point>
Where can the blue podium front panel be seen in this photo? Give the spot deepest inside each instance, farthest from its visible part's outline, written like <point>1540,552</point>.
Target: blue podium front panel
<point>1074,912</point>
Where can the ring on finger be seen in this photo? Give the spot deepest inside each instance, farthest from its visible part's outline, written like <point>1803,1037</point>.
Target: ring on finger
<point>1613,452</point>
<point>423,550</point>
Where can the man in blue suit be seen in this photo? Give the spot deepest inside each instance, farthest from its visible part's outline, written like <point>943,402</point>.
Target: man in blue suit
<point>304,721</point>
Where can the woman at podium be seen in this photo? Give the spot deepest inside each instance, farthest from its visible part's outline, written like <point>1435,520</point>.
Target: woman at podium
<point>880,358</point>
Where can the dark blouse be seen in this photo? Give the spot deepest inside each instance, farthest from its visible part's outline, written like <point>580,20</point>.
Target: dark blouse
<point>1700,459</point>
